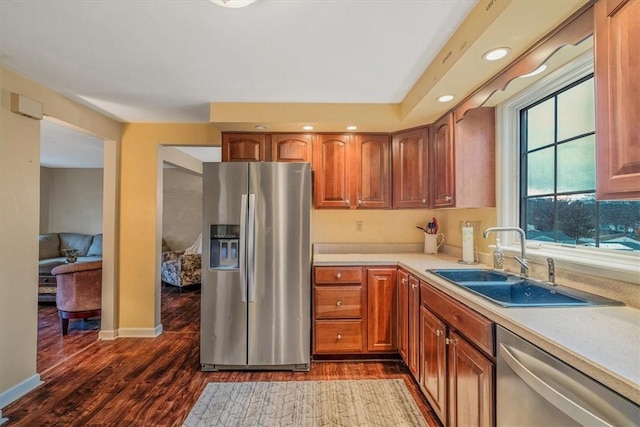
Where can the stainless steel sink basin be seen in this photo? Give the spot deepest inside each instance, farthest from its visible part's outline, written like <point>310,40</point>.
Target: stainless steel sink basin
<point>509,290</point>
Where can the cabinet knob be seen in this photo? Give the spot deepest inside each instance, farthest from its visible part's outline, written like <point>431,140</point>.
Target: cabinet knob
<point>451,341</point>
<point>413,286</point>
<point>339,336</point>
<point>348,202</point>
<point>359,202</point>
<point>338,303</point>
<point>339,276</point>
<point>447,199</point>
<point>404,280</point>
<point>438,332</point>
<point>424,200</point>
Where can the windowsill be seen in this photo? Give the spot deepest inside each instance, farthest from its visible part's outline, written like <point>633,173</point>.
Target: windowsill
<point>614,266</point>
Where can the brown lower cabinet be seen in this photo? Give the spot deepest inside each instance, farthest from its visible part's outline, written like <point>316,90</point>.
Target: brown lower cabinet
<point>457,360</point>
<point>354,310</point>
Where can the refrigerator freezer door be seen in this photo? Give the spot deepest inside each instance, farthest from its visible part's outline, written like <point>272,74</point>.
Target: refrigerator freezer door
<point>223,335</point>
<point>280,318</point>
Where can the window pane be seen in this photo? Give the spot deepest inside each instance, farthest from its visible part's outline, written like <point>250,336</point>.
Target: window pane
<point>540,219</point>
<point>577,219</point>
<point>620,225</point>
<point>577,165</point>
<point>540,125</point>
<point>576,114</point>
<point>540,172</point>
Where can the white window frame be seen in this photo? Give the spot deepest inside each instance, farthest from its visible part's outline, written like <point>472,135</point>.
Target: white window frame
<point>610,264</point>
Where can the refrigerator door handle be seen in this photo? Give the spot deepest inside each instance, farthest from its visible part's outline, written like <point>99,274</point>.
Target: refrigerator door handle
<point>242,248</point>
<point>251,249</point>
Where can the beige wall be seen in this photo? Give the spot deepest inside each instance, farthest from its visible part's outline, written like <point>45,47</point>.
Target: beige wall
<point>397,226</point>
<point>45,179</point>
<point>139,266</point>
<point>20,219</point>
<point>181,207</point>
<point>73,201</point>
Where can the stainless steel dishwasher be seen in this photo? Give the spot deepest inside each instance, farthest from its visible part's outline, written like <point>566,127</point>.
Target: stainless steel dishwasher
<point>536,389</point>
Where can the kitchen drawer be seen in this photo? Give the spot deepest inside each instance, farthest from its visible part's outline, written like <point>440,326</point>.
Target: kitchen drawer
<point>333,275</point>
<point>476,328</point>
<point>338,302</point>
<point>338,336</point>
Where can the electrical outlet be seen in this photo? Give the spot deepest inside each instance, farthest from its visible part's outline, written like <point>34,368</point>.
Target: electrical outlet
<point>359,226</point>
<point>474,224</point>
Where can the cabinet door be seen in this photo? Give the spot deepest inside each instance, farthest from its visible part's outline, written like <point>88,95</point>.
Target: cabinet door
<point>443,165</point>
<point>403,313</point>
<point>373,171</point>
<point>433,363</point>
<point>237,147</point>
<point>470,385</point>
<point>332,166</point>
<point>617,43</point>
<point>292,147</point>
<point>475,171</point>
<point>411,169</point>
<point>414,327</point>
<point>382,313</point>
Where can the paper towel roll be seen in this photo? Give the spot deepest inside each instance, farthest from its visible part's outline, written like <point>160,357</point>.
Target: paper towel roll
<point>467,244</point>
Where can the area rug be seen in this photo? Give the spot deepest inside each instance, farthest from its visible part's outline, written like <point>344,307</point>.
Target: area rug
<point>306,403</point>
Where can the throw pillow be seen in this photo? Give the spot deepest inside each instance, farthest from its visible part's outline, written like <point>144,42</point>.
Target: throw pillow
<point>196,248</point>
<point>49,246</point>
<point>96,246</point>
<point>75,241</point>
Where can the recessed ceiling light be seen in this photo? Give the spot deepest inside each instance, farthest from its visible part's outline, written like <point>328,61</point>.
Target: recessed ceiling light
<point>261,127</point>
<point>352,127</point>
<point>495,54</point>
<point>307,127</point>
<point>535,72</point>
<point>233,4</point>
<point>445,98</point>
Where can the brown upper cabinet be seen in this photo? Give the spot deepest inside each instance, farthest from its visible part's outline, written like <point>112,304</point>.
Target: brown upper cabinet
<point>463,171</point>
<point>292,147</point>
<point>332,166</point>
<point>373,171</point>
<point>411,168</point>
<point>244,147</point>
<point>352,171</point>
<point>617,43</point>
<point>443,167</point>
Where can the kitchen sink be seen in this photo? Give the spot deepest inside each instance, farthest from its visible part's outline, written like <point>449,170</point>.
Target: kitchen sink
<point>509,290</point>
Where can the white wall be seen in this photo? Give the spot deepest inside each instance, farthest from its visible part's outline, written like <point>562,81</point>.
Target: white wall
<point>182,207</point>
<point>72,199</point>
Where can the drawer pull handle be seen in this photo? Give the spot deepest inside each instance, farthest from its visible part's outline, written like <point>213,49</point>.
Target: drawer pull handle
<point>339,276</point>
<point>339,303</point>
<point>339,336</point>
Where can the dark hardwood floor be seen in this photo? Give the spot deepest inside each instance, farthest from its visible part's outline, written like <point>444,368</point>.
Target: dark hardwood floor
<point>149,382</point>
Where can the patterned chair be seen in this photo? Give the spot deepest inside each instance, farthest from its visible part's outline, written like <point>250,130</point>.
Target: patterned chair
<point>180,268</point>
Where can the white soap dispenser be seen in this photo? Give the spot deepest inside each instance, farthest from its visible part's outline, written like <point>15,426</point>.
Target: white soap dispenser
<point>498,256</point>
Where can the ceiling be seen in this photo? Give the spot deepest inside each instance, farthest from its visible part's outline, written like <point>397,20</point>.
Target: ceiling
<point>186,61</point>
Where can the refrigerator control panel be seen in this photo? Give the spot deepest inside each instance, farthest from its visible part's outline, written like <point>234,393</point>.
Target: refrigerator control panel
<point>224,246</point>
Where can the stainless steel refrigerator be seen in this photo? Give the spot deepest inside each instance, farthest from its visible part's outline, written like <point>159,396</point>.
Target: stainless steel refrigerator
<point>256,266</point>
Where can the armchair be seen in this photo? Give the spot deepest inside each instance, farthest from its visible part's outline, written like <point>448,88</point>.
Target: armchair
<point>79,291</point>
<point>180,268</point>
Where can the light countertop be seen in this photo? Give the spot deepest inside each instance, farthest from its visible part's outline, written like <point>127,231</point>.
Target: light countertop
<point>602,342</point>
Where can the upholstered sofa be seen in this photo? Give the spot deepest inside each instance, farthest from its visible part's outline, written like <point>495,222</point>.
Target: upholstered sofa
<point>52,248</point>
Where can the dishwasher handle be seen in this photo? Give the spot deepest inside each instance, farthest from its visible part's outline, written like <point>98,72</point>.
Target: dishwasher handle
<point>545,390</point>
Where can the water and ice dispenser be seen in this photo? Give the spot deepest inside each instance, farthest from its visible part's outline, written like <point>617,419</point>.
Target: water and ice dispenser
<point>224,246</point>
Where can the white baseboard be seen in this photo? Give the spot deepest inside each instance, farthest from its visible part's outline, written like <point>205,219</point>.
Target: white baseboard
<point>19,390</point>
<point>109,335</point>
<point>140,332</point>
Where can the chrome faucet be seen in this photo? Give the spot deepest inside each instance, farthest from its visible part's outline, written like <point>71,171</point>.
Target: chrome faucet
<point>524,265</point>
<point>552,271</point>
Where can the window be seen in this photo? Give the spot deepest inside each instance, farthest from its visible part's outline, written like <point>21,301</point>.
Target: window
<point>558,175</point>
<point>545,174</point>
